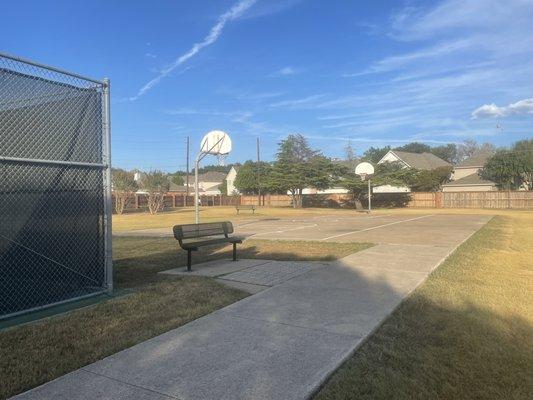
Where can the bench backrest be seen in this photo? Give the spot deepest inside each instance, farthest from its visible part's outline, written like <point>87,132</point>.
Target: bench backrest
<point>246,207</point>
<point>192,231</point>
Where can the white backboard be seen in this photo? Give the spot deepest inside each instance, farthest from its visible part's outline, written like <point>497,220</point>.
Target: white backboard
<point>364,168</point>
<point>216,143</point>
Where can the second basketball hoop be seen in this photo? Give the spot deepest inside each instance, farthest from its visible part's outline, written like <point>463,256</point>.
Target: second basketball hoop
<point>365,170</point>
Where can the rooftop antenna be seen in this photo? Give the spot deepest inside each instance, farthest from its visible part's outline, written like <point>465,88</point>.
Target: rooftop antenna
<point>215,143</point>
<point>365,170</point>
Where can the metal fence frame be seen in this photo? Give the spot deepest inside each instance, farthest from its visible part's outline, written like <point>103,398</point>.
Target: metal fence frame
<point>104,166</point>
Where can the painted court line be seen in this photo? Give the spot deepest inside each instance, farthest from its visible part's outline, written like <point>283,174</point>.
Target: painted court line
<point>376,227</point>
<point>286,230</point>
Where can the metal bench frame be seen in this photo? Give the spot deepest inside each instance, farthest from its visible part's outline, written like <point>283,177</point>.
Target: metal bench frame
<point>214,232</point>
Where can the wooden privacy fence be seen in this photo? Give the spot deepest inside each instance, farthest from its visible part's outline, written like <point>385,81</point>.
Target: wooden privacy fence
<point>267,200</point>
<point>139,201</point>
<point>493,199</point>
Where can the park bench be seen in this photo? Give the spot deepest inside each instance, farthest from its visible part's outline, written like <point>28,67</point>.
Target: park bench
<point>193,236</point>
<point>247,207</point>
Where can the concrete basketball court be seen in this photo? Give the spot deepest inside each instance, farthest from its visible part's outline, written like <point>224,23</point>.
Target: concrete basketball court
<point>426,229</point>
<point>284,341</point>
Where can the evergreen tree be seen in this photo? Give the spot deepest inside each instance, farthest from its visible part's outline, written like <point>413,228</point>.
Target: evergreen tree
<point>298,167</point>
<point>414,147</point>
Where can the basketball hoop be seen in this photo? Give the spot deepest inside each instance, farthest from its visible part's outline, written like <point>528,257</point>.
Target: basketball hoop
<point>215,143</point>
<point>365,170</point>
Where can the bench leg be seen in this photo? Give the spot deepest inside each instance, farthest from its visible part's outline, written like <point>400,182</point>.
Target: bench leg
<point>234,251</point>
<point>189,260</point>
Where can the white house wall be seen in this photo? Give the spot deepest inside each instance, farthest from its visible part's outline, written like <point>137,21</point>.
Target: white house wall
<point>389,157</point>
<point>230,182</point>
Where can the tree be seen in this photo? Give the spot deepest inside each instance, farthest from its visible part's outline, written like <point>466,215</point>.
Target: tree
<point>223,187</point>
<point>349,156</point>
<point>124,185</point>
<point>469,147</point>
<point>505,168</point>
<point>524,151</point>
<point>447,152</point>
<point>297,167</point>
<point>251,175</point>
<point>156,184</point>
<point>374,154</point>
<point>414,147</point>
<point>429,180</point>
<point>177,178</point>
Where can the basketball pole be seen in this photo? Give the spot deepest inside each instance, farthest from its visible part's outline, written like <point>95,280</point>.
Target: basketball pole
<point>369,197</point>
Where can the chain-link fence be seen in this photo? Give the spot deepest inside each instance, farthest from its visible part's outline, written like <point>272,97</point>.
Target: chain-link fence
<point>54,186</point>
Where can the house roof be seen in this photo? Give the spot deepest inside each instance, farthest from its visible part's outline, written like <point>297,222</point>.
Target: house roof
<point>476,160</point>
<point>472,179</point>
<point>212,188</point>
<point>426,161</point>
<point>177,188</point>
<point>212,176</point>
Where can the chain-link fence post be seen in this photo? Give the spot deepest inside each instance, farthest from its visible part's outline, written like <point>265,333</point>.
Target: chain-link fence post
<point>108,203</point>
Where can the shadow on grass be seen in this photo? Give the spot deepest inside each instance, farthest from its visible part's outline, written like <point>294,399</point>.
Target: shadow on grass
<point>426,351</point>
<point>139,259</point>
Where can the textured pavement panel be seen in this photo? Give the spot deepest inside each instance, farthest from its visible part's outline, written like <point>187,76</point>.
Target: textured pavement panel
<point>225,357</point>
<point>85,385</point>
<point>273,273</point>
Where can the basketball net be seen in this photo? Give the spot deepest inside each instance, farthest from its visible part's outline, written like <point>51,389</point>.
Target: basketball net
<point>222,159</point>
<point>363,177</point>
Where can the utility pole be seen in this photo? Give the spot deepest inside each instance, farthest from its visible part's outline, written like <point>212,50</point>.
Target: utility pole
<point>258,173</point>
<point>187,182</point>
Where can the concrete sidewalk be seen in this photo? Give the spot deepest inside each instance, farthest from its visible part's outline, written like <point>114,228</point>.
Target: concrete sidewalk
<point>281,343</point>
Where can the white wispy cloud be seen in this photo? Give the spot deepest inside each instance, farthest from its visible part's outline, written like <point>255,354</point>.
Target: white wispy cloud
<point>269,7</point>
<point>413,23</point>
<point>285,71</point>
<point>524,106</point>
<point>401,60</point>
<point>304,102</point>
<point>150,55</point>
<point>234,12</point>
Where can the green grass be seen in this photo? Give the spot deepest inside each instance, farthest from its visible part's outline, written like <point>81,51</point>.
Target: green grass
<point>467,333</point>
<point>38,352</point>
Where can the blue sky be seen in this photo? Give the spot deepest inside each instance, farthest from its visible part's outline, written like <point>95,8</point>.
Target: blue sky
<point>372,73</point>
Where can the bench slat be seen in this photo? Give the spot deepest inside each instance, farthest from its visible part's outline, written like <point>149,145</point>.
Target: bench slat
<point>192,231</point>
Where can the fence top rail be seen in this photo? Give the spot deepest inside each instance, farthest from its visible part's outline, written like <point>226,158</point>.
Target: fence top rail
<point>61,71</point>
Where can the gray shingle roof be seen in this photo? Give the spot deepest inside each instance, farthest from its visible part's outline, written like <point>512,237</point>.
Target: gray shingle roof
<point>472,179</point>
<point>476,160</point>
<point>212,176</point>
<point>426,161</point>
<point>177,188</point>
